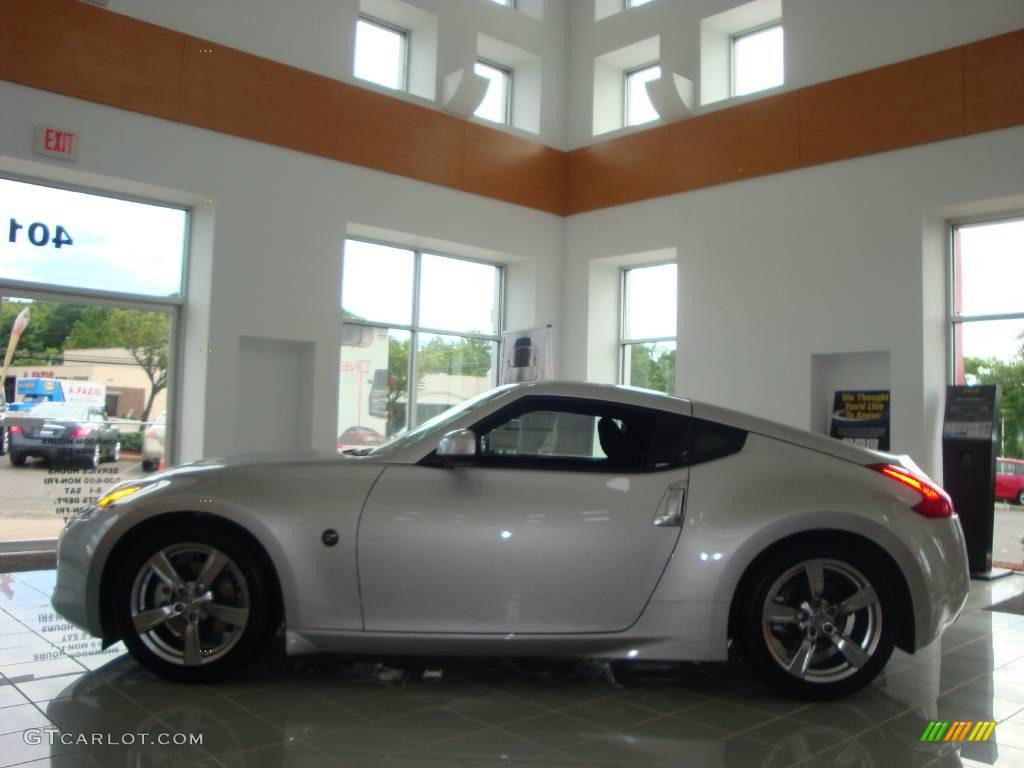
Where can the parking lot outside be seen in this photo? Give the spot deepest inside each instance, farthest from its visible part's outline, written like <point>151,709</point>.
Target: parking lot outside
<point>37,498</point>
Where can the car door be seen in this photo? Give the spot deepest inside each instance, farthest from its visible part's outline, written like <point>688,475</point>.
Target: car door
<point>563,523</point>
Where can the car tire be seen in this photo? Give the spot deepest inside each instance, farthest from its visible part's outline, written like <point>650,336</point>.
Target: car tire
<point>93,459</point>
<point>115,452</point>
<point>1020,498</point>
<point>5,441</point>
<point>148,465</point>
<point>201,632</point>
<point>17,459</point>
<point>819,619</point>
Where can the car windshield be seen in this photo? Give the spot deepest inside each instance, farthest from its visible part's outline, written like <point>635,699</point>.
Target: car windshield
<point>439,422</point>
<point>59,411</point>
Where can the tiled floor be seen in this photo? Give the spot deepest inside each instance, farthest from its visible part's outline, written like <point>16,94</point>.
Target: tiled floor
<point>334,711</point>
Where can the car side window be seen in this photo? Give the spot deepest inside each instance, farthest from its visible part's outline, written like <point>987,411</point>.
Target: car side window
<point>552,433</point>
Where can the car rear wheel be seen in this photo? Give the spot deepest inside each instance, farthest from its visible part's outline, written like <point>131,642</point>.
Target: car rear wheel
<point>93,459</point>
<point>17,459</point>
<point>819,621</point>
<point>149,465</point>
<point>115,452</point>
<point>1020,498</point>
<point>191,605</point>
<point>5,441</point>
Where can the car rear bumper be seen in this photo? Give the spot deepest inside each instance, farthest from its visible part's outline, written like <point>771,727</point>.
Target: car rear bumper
<point>945,578</point>
<point>53,447</point>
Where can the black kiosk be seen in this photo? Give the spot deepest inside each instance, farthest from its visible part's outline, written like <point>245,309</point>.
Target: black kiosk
<point>969,469</point>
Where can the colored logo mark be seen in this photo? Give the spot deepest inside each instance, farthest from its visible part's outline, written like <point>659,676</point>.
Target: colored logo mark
<point>958,730</point>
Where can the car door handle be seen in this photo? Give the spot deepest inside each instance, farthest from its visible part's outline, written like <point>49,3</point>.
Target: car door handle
<point>670,510</point>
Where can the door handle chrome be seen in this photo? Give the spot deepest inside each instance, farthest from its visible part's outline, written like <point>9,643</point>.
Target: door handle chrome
<point>670,510</point>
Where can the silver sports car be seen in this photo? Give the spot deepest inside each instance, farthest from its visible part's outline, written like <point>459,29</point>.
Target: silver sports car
<point>560,519</point>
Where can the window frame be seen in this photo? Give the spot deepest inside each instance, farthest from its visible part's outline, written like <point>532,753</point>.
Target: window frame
<point>735,38</point>
<point>414,329</point>
<point>507,106</point>
<point>406,37</point>
<point>626,341</point>
<point>626,75</point>
<point>953,320</point>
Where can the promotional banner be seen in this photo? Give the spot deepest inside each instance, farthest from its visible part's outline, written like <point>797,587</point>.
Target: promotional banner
<point>527,355</point>
<point>19,326</point>
<point>862,417</point>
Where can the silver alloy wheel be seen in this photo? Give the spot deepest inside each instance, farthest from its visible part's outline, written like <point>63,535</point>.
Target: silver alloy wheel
<point>1020,499</point>
<point>5,440</point>
<point>96,457</point>
<point>190,604</point>
<point>821,620</point>
<point>116,455</point>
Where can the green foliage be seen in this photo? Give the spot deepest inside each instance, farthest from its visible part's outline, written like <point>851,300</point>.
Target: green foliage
<point>131,441</point>
<point>652,366</point>
<point>54,327</point>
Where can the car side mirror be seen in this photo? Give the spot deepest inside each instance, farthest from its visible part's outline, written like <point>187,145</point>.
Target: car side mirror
<point>457,447</point>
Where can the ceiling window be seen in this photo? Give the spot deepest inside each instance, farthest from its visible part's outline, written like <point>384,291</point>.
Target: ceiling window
<point>497,103</point>
<point>382,53</point>
<point>638,107</point>
<point>648,340</point>
<point>506,3</point>
<point>635,3</point>
<point>420,335</point>
<point>757,60</point>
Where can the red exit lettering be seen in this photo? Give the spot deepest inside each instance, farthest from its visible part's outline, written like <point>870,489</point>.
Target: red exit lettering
<point>60,141</point>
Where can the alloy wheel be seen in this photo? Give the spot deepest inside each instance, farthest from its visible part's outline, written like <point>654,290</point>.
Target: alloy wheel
<point>821,621</point>
<point>190,604</point>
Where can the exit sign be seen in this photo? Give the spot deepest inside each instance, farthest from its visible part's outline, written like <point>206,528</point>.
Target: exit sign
<point>55,142</point>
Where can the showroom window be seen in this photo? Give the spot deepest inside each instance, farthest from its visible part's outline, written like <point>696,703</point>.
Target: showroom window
<point>421,333</point>
<point>757,60</point>
<point>90,291</point>
<point>497,102</point>
<point>638,107</point>
<point>382,53</point>
<point>648,339</point>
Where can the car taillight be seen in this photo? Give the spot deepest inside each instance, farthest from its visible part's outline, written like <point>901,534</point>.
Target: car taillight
<point>935,502</point>
<point>81,432</point>
<point>15,430</point>
<point>150,433</point>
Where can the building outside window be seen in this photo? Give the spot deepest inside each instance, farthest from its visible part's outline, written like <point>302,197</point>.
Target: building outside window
<point>497,103</point>
<point>987,339</point>
<point>421,334</point>
<point>757,60</point>
<point>382,53</point>
<point>638,107</point>
<point>648,340</point>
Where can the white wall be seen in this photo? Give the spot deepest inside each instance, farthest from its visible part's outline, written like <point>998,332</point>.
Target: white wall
<point>824,39</point>
<point>839,258</point>
<point>265,258</point>
<point>319,36</point>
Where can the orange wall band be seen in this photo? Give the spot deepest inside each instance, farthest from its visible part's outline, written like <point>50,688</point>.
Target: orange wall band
<point>69,47</point>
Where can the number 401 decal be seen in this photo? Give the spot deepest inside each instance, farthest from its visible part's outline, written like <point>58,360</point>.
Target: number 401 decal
<point>39,234</point>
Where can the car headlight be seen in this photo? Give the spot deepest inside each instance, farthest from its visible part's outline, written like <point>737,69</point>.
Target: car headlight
<point>115,495</point>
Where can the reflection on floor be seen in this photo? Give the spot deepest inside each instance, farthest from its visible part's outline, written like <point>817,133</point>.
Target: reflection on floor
<point>57,686</point>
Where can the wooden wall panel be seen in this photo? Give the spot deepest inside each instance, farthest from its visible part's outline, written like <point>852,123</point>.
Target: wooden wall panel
<point>234,92</point>
<point>623,170</point>
<point>900,105</point>
<point>752,139</point>
<point>514,169</point>
<point>397,137</point>
<point>72,48</point>
<point>994,82</point>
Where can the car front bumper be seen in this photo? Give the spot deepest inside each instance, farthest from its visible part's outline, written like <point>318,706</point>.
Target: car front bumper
<point>75,595</point>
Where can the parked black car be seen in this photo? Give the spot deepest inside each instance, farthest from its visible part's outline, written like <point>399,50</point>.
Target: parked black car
<point>63,432</point>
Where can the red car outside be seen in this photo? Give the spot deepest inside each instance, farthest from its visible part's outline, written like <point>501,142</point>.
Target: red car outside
<point>1010,480</point>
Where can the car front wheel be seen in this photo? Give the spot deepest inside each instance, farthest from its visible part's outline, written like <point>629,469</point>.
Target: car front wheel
<point>819,621</point>
<point>192,604</point>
